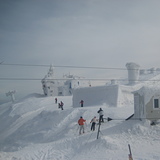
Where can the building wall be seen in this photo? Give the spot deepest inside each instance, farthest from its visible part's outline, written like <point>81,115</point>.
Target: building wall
<point>96,95</point>
<point>139,106</point>
<point>151,112</point>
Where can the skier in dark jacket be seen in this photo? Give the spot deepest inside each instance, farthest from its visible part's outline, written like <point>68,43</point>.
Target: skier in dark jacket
<point>81,102</point>
<point>61,105</point>
<point>55,100</point>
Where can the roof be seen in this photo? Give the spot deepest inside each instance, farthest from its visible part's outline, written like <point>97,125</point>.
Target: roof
<point>148,92</point>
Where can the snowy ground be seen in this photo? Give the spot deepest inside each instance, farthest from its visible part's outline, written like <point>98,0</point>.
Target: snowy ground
<point>36,129</point>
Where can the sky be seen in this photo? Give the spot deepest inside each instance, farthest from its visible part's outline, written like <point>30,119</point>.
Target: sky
<point>95,33</point>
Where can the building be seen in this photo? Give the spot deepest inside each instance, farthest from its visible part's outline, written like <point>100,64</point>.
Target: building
<point>147,103</point>
<point>111,95</point>
<point>49,84</point>
<point>64,87</point>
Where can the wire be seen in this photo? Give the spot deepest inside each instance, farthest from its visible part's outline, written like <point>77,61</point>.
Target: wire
<point>61,79</point>
<point>84,67</point>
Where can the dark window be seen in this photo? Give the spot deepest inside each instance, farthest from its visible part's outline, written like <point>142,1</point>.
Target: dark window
<point>156,103</point>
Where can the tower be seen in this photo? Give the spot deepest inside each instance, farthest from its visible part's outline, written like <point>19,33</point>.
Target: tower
<point>133,72</point>
<point>49,84</point>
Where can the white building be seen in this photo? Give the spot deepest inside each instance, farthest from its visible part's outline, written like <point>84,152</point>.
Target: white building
<point>111,95</point>
<point>64,87</point>
<point>115,94</point>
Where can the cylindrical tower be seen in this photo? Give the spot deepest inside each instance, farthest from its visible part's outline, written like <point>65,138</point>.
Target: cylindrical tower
<point>133,72</point>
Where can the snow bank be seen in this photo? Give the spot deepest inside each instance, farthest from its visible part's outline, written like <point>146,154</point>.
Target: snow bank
<point>36,129</point>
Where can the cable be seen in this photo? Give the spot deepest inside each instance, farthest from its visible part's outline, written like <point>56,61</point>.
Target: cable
<point>61,79</point>
<point>56,66</point>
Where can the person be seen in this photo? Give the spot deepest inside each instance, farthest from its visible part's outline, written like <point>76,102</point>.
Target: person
<point>101,113</point>
<point>55,100</point>
<point>81,122</point>
<point>93,121</point>
<point>81,102</point>
<point>61,105</point>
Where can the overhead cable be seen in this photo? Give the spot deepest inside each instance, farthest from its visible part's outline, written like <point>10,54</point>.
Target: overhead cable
<point>58,66</point>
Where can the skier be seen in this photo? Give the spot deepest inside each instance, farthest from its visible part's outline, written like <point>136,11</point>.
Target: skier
<point>93,121</point>
<point>81,124</point>
<point>101,112</point>
<point>81,102</point>
<point>61,105</point>
<point>55,100</point>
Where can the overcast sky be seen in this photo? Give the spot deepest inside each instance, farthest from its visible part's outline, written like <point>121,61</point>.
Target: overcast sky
<point>97,33</point>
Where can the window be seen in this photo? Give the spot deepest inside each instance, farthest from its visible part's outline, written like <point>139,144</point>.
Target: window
<point>156,103</point>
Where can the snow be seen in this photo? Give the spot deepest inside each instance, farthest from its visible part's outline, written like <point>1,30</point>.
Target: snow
<point>34,128</point>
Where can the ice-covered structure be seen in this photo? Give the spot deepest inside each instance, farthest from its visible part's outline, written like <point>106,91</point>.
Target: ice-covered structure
<point>64,87</point>
<point>115,94</point>
<point>49,84</point>
<point>110,95</point>
<point>133,72</point>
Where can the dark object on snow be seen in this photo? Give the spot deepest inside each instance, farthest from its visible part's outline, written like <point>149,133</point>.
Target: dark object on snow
<point>129,117</point>
<point>130,153</point>
<point>109,119</point>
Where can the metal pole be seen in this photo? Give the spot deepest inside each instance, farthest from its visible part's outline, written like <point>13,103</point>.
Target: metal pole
<point>98,128</point>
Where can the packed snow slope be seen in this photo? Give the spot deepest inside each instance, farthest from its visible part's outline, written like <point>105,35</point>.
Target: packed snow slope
<point>36,129</point>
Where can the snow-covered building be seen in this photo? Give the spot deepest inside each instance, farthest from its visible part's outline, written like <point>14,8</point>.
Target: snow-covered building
<point>147,103</point>
<point>116,94</point>
<point>49,84</point>
<point>112,95</point>
<point>70,83</point>
<point>64,87</point>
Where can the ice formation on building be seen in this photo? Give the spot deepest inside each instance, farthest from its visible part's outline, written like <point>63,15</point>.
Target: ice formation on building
<point>133,72</point>
<point>49,84</point>
<point>52,87</point>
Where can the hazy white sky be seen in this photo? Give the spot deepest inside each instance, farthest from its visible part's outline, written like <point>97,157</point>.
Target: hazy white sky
<point>98,33</point>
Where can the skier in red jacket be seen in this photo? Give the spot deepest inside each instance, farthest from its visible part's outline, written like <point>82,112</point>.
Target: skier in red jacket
<point>81,124</point>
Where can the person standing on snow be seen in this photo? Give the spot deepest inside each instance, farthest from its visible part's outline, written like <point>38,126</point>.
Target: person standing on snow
<point>81,124</point>
<point>93,121</point>
<point>101,113</point>
<point>81,102</point>
<point>55,100</point>
<point>61,105</point>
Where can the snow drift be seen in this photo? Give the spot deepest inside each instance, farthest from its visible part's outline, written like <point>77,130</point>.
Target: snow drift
<point>36,129</point>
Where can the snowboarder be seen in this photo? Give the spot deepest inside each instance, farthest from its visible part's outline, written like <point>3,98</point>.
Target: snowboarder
<point>101,113</point>
<point>81,102</point>
<point>93,121</point>
<point>55,100</point>
<point>81,124</point>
